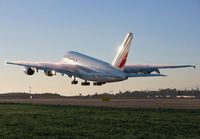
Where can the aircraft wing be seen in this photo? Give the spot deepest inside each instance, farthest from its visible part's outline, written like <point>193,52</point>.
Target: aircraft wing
<point>47,66</point>
<point>145,75</point>
<point>147,69</point>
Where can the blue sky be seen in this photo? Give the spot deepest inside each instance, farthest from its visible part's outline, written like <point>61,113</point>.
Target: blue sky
<point>166,32</point>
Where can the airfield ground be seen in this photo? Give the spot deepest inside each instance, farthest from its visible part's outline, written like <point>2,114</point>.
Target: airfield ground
<point>118,118</point>
<point>57,122</point>
<point>117,103</point>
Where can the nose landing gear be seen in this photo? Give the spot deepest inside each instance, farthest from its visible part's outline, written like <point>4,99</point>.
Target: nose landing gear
<point>74,81</point>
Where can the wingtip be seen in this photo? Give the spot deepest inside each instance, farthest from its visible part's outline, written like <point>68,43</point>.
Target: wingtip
<point>6,62</point>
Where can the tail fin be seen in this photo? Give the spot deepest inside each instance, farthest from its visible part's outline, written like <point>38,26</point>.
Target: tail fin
<point>121,57</point>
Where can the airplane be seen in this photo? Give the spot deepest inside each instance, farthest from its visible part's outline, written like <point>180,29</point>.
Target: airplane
<point>81,66</point>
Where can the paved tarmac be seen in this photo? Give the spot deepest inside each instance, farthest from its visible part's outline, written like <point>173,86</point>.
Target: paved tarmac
<point>118,103</point>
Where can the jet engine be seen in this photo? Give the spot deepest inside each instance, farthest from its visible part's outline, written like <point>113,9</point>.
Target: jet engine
<point>29,70</point>
<point>50,73</point>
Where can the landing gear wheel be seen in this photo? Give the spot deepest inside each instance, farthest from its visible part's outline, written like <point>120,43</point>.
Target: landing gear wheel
<point>74,82</point>
<point>97,84</point>
<point>85,83</point>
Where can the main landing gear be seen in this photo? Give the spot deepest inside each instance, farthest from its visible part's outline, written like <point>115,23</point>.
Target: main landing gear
<point>97,84</point>
<point>88,83</point>
<point>85,83</point>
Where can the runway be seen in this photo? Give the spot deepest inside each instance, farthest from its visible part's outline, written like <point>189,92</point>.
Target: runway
<point>118,103</point>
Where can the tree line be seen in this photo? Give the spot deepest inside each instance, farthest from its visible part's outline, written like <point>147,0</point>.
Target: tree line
<point>143,94</point>
<point>161,93</point>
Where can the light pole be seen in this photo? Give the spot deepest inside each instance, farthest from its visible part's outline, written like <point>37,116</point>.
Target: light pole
<point>30,89</point>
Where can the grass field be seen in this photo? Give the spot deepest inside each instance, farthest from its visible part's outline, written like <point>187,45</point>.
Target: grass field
<point>50,121</point>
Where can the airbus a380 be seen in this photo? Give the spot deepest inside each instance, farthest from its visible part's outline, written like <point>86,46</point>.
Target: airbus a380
<point>75,64</point>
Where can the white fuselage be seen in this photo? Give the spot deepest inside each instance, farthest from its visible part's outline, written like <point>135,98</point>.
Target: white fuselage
<point>92,69</point>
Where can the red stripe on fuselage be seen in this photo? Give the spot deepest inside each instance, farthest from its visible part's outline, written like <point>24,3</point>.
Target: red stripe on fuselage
<point>123,61</point>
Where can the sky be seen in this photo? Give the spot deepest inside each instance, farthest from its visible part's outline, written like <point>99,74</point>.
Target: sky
<point>165,32</point>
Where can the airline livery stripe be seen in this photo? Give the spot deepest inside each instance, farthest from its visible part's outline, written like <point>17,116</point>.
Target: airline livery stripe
<point>123,52</point>
<point>121,56</point>
<point>125,45</point>
<point>124,61</point>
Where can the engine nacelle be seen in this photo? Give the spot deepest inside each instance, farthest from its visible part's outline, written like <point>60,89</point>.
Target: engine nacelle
<point>29,70</point>
<point>50,73</point>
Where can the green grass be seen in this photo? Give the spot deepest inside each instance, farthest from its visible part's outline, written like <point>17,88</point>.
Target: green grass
<point>48,121</point>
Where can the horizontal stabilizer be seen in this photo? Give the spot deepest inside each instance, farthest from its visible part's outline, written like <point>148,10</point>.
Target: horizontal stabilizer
<point>145,75</point>
<point>173,66</point>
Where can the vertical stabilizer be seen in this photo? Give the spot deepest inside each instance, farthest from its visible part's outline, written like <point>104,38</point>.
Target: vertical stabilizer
<point>121,57</point>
